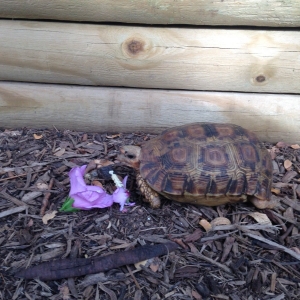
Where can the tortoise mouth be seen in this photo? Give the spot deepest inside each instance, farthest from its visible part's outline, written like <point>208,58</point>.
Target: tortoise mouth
<point>123,159</point>
<point>122,150</point>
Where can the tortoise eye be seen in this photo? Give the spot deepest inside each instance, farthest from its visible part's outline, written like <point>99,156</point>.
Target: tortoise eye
<point>130,156</point>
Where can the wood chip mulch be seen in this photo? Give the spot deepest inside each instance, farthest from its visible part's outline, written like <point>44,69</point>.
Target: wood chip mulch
<point>227,252</point>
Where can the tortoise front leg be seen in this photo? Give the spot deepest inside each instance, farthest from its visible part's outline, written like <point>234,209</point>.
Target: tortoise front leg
<point>150,195</point>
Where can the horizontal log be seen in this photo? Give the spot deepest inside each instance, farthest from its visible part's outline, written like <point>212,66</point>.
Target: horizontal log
<point>168,58</point>
<point>197,12</point>
<point>273,117</point>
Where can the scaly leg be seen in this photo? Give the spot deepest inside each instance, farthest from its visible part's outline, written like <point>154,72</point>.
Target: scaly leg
<point>150,195</point>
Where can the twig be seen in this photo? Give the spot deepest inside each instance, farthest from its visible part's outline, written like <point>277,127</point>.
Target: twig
<point>221,266</point>
<point>133,277</point>
<point>284,236</point>
<point>46,198</point>
<point>65,268</point>
<point>216,237</point>
<point>12,211</point>
<point>280,247</point>
<point>22,175</point>
<point>28,180</point>
<point>26,151</point>
<point>246,227</point>
<point>111,294</point>
<point>12,199</point>
<point>13,177</point>
<point>292,203</point>
<point>292,221</point>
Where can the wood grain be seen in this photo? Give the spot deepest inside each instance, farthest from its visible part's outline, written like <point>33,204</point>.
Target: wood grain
<point>198,12</point>
<point>273,117</point>
<point>167,58</point>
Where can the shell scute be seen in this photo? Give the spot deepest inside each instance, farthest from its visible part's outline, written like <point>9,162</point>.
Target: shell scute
<point>198,183</point>
<point>237,185</point>
<point>247,156</point>
<point>175,183</point>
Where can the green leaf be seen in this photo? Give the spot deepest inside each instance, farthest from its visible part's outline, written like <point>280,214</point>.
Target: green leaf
<point>67,206</point>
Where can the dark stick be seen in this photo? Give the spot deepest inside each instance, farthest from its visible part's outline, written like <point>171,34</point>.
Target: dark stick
<point>65,268</point>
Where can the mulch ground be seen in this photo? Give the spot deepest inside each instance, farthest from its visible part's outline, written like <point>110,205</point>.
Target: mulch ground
<point>227,252</point>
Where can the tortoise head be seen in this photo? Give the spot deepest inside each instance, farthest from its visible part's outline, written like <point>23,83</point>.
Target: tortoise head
<point>130,155</point>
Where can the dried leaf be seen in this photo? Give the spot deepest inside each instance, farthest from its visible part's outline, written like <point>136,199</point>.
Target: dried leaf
<point>113,136</point>
<point>42,186</point>
<point>103,163</point>
<point>295,146</point>
<point>220,221</point>
<point>193,248</point>
<point>273,152</point>
<point>97,183</point>
<point>289,213</point>
<point>154,267</point>
<point>287,164</point>
<point>37,137</point>
<point>30,223</point>
<point>205,224</point>
<point>141,263</point>
<point>196,295</point>
<point>296,249</point>
<point>64,291</point>
<point>196,235</point>
<point>260,218</point>
<point>60,152</point>
<point>49,216</point>
<point>275,191</point>
<point>282,145</point>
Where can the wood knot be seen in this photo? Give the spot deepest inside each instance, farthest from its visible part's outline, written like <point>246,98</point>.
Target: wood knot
<point>133,46</point>
<point>261,75</point>
<point>260,78</point>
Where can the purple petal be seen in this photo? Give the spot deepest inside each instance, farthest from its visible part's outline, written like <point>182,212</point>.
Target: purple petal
<point>101,200</point>
<point>87,196</point>
<point>120,196</point>
<point>125,181</point>
<point>76,179</point>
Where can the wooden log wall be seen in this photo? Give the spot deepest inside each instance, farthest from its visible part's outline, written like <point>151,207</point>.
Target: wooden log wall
<point>192,12</point>
<point>102,76</point>
<point>151,57</point>
<point>107,109</point>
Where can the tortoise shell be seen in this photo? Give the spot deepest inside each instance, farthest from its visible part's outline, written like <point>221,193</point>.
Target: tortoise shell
<point>208,164</point>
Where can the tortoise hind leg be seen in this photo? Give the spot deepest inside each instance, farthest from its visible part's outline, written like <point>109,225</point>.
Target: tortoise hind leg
<point>150,195</point>
<point>262,204</point>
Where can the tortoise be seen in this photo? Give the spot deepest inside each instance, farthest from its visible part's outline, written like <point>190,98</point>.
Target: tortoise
<point>203,163</point>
